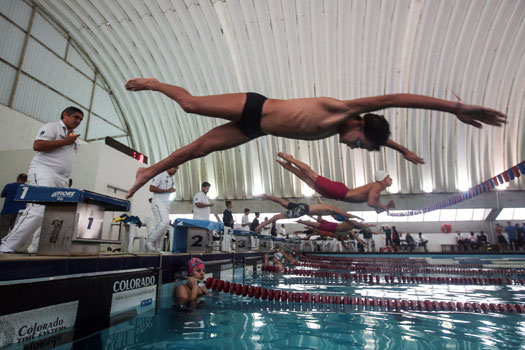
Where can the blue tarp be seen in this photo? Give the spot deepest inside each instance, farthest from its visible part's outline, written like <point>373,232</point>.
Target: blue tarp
<point>243,233</point>
<point>208,225</point>
<point>42,195</point>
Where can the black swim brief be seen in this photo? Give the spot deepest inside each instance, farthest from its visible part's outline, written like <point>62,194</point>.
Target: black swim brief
<point>296,210</point>
<point>250,123</point>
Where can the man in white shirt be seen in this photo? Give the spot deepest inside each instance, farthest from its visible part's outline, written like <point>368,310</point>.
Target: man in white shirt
<point>282,231</point>
<point>56,149</point>
<point>245,221</point>
<point>201,203</point>
<point>162,187</point>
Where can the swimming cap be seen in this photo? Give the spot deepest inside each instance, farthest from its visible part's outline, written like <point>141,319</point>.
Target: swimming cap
<point>380,175</point>
<point>278,256</point>
<point>194,263</point>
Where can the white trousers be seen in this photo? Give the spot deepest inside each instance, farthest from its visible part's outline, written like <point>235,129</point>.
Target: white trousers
<point>161,211</point>
<point>30,221</point>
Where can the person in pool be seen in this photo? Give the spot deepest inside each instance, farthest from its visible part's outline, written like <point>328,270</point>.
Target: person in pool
<point>251,115</point>
<point>191,291</point>
<point>280,257</point>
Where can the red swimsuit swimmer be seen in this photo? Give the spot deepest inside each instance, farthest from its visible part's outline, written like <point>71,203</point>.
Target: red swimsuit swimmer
<point>330,189</point>
<point>328,226</point>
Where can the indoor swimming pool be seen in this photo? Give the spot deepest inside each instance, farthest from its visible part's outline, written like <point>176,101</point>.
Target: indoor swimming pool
<point>230,321</point>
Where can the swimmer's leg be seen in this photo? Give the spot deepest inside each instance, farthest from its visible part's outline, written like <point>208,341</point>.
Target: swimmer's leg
<point>277,200</point>
<point>226,106</point>
<point>300,169</point>
<point>223,137</point>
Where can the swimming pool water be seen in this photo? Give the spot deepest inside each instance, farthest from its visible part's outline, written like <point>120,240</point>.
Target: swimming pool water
<point>225,321</point>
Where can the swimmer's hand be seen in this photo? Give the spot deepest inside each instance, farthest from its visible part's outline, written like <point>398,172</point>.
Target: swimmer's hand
<point>391,205</point>
<point>475,115</point>
<point>414,158</point>
<point>192,281</point>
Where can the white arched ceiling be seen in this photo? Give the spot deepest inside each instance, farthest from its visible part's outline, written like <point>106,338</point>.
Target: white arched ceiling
<point>291,49</point>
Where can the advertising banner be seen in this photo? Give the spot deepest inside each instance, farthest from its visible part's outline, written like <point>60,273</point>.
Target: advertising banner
<point>28,325</point>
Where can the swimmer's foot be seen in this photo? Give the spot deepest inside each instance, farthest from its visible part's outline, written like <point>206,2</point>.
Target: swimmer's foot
<point>261,196</point>
<point>140,179</point>
<point>138,84</point>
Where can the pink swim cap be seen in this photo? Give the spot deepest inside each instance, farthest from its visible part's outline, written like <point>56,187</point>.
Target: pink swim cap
<point>193,263</point>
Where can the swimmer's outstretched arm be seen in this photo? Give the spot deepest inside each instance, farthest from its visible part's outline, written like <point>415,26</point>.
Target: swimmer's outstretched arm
<point>408,154</point>
<point>374,202</point>
<point>468,114</point>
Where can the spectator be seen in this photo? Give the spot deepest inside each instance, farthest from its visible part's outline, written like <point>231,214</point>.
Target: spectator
<point>422,241</point>
<point>520,236</point>
<point>482,240</point>
<point>201,203</point>
<point>245,221</point>
<point>511,235</point>
<point>255,221</point>
<point>396,240</point>
<point>473,241</point>
<point>502,241</point>
<point>266,230</point>
<point>11,207</point>
<point>227,216</point>
<point>460,240</point>
<point>410,243</point>
<point>273,231</point>
<point>388,235</point>
<point>282,231</point>
<point>367,236</point>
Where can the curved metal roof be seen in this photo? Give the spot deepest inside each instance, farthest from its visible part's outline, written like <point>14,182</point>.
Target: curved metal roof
<point>291,49</point>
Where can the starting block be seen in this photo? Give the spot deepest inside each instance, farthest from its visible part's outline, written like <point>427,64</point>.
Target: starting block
<point>307,246</point>
<point>278,243</point>
<point>73,219</point>
<point>195,235</point>
<point>243,241</point>
<point>265,243</point>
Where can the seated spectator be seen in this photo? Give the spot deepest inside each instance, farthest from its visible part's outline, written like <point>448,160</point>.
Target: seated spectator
<point>482,240</point>
<point>422,241</point>
<point>187,294</point>
<point>411,244</point>
<point>460,240</point>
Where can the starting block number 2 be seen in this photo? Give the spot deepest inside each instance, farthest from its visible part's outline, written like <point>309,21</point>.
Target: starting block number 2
<point>197,241</point>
